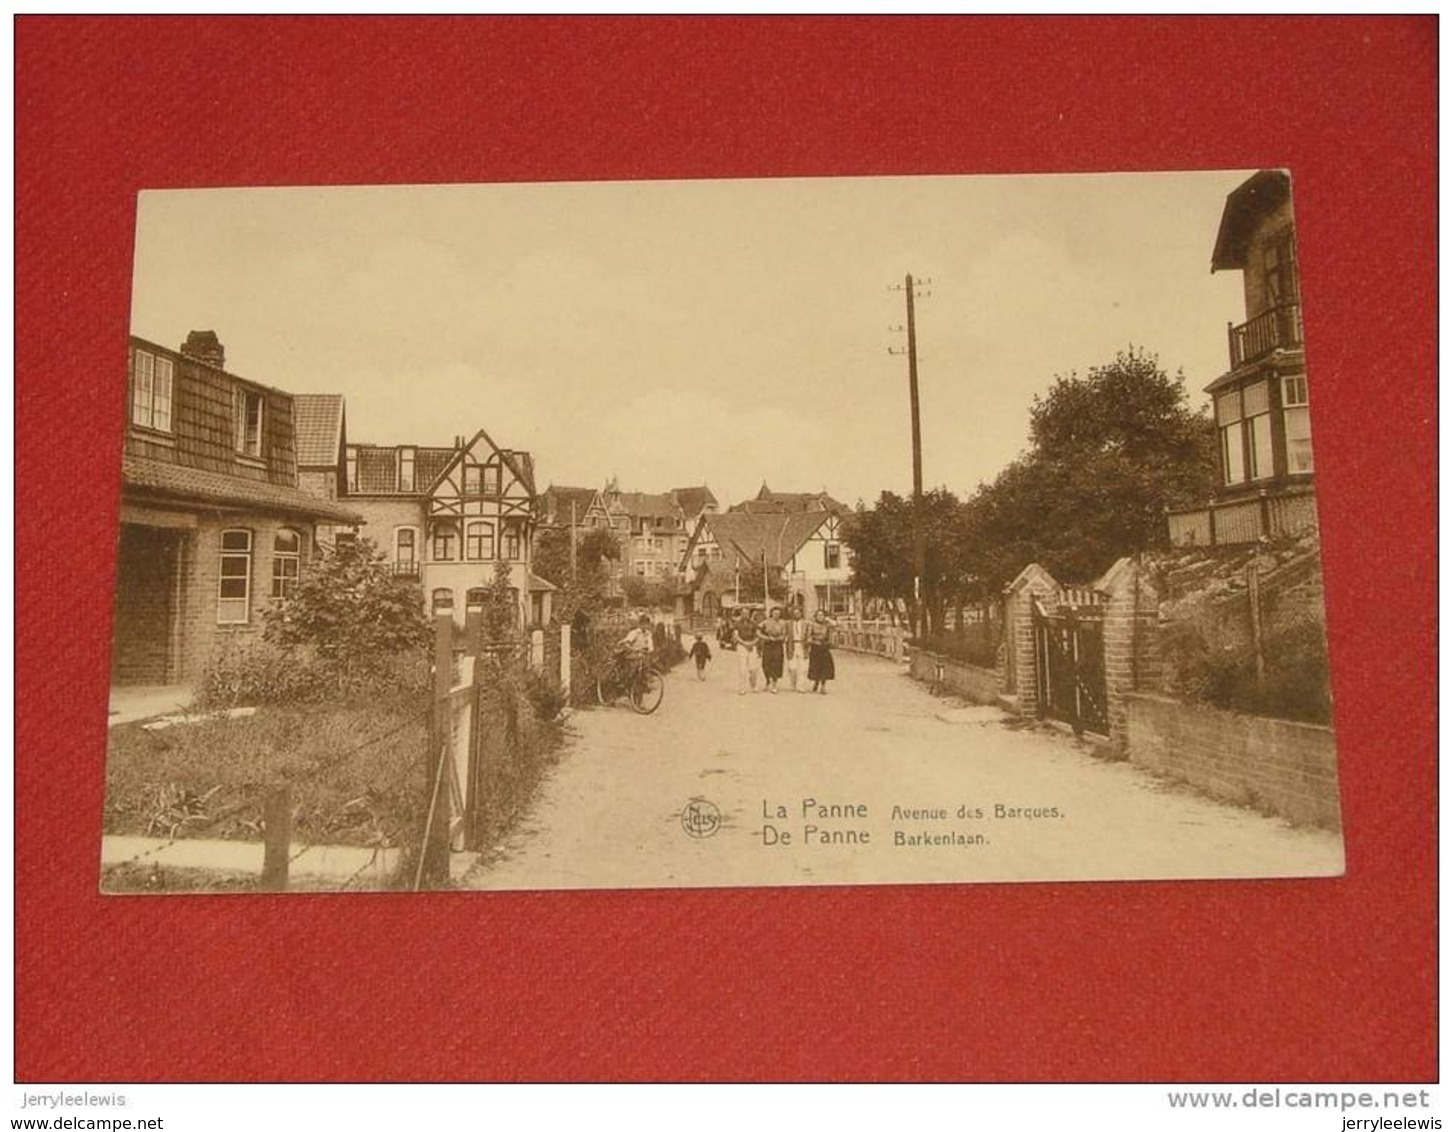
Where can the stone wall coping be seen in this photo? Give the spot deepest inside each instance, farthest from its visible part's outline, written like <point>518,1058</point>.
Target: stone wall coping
<point>1213,710</point>
<point>1034,572</point>
<point>946,659</point>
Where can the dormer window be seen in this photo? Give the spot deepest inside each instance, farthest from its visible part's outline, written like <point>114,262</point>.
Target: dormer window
<point>248,411</point>
<point>151,392</point>
<point>406,469</point>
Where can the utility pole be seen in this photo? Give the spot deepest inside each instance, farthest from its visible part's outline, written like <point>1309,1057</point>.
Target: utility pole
<point>920,538</point>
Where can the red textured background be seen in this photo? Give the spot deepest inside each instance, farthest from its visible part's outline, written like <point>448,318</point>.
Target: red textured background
<point>1185,981</point>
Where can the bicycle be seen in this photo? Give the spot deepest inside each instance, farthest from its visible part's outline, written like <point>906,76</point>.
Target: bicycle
<point>640,680</point>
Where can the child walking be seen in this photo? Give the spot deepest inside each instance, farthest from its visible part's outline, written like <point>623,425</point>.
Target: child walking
<point>700,653</point>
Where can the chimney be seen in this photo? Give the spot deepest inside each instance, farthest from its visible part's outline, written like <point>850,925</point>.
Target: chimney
<point>203,346</point>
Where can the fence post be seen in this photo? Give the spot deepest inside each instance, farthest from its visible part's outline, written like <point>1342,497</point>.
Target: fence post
<point>277,818</point>
<point>565,661</point>
<point>434,853</point>
<point>1253,597</point>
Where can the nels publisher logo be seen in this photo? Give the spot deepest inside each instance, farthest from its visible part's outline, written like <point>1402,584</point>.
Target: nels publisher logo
<point>699,818</point>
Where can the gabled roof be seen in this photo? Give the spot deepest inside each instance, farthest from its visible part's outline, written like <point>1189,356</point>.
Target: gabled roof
<point>582,497</point>
<point>522,464</point>
<point>693,500</point>
<point>768,502</point>
<point>755,537</point>
<point>644,505</point>
<point>196,487</point>
<point>378,468</point>
<point>1251,202</point>
<point>318,428</point>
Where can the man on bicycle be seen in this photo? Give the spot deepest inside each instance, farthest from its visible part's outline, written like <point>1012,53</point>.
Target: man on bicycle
<point>633,650</point>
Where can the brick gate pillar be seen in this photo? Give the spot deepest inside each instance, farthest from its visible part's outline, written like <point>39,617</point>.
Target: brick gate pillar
<point>1033,581</point>
<point>1132,655</point>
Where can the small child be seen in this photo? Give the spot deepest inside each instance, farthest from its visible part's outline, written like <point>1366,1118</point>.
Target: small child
<point>701,654</point>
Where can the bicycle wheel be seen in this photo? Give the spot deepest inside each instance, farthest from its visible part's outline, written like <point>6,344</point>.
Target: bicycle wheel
<point>647,690</point>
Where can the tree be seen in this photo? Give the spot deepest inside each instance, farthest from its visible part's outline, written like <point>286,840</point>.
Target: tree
<point>586,589</point>
<point>1110,452</point>
<point>349,607</point>
<point>881,540</point>
<point>647,593</point>
<point>499,606</point>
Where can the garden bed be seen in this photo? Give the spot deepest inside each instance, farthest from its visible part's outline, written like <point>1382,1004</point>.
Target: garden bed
<point>356,773</point>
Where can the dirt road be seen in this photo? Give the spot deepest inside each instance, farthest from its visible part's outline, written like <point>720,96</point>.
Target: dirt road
<point>876,782</point>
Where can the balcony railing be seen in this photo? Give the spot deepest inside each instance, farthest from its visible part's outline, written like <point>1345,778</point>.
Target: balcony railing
<point>406,569</point>
<point>1278,328</point>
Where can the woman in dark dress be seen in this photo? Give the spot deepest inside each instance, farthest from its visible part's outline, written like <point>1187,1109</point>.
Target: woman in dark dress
<point>820,668</point>
<point>773,632</point>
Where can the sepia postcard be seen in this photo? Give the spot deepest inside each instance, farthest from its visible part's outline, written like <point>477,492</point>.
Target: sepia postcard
<point>721,533</point>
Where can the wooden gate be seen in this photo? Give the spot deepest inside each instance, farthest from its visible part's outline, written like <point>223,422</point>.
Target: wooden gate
<point>1069,660</point>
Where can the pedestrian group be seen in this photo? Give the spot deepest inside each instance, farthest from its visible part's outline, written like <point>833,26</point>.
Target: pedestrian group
<point>767,647</point>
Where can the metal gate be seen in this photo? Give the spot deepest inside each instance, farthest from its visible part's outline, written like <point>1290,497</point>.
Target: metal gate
<point>1069,661</point>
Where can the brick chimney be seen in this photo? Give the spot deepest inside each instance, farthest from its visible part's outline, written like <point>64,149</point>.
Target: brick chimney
<point>204,347</point>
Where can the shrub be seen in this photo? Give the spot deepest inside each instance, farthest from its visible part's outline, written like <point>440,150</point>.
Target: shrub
<point>974,643</point>
<point>1200,662</point>
<point>263,673</point>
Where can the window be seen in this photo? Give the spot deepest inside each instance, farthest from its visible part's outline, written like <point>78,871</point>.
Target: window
<point>1281,271</point>
<point>832,555</point>
<point>406,551</point>
<point>481,479</point>
<point>249,422</point>
<point>234,583</point>
<point>445,536</point>
<point>1228,420</point>
<point>476,599</point>
<point>151,392</point>
<point>287,556</point>
<point>1297,422</point>
<point>513,544</point>
<point>1256,407</point>
<point>352,469</point>
<point>442,600</point>
<point>479,541</point>
<point>640,569</point>
<point>406,469</point>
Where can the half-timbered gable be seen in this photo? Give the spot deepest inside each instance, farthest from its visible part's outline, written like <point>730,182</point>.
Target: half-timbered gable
<point>447,515</point>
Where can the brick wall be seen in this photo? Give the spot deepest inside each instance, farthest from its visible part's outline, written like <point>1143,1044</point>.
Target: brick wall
<point>978,685</point>
<point>199,633</point>
<point>1033,581</point>
<point>1131,634</point>
<point>1278,767</point>
<point>382,516</point>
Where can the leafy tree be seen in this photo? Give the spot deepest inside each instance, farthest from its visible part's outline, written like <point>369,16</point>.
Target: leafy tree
<point>348,606</point>
<point>586,589</point>
<point>748,581</point>
<point>882,542</point>
<point>499,606</point>
<point>1110,452</point>
<point>647,593</point>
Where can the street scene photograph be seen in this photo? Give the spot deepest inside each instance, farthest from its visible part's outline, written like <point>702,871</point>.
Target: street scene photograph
<point>689,534</point>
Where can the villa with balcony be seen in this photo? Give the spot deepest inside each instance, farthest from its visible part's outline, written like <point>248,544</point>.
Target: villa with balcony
<point>1262,409</point>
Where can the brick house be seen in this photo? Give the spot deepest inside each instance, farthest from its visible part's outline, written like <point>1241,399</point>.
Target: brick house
<point>581,507</point>
<point>1262,410</point>
<point>214,525</point>
<point>446,515</point>
<point>653,528</point>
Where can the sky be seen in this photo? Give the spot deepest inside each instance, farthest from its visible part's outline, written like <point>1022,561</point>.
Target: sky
<point>677,333</point>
